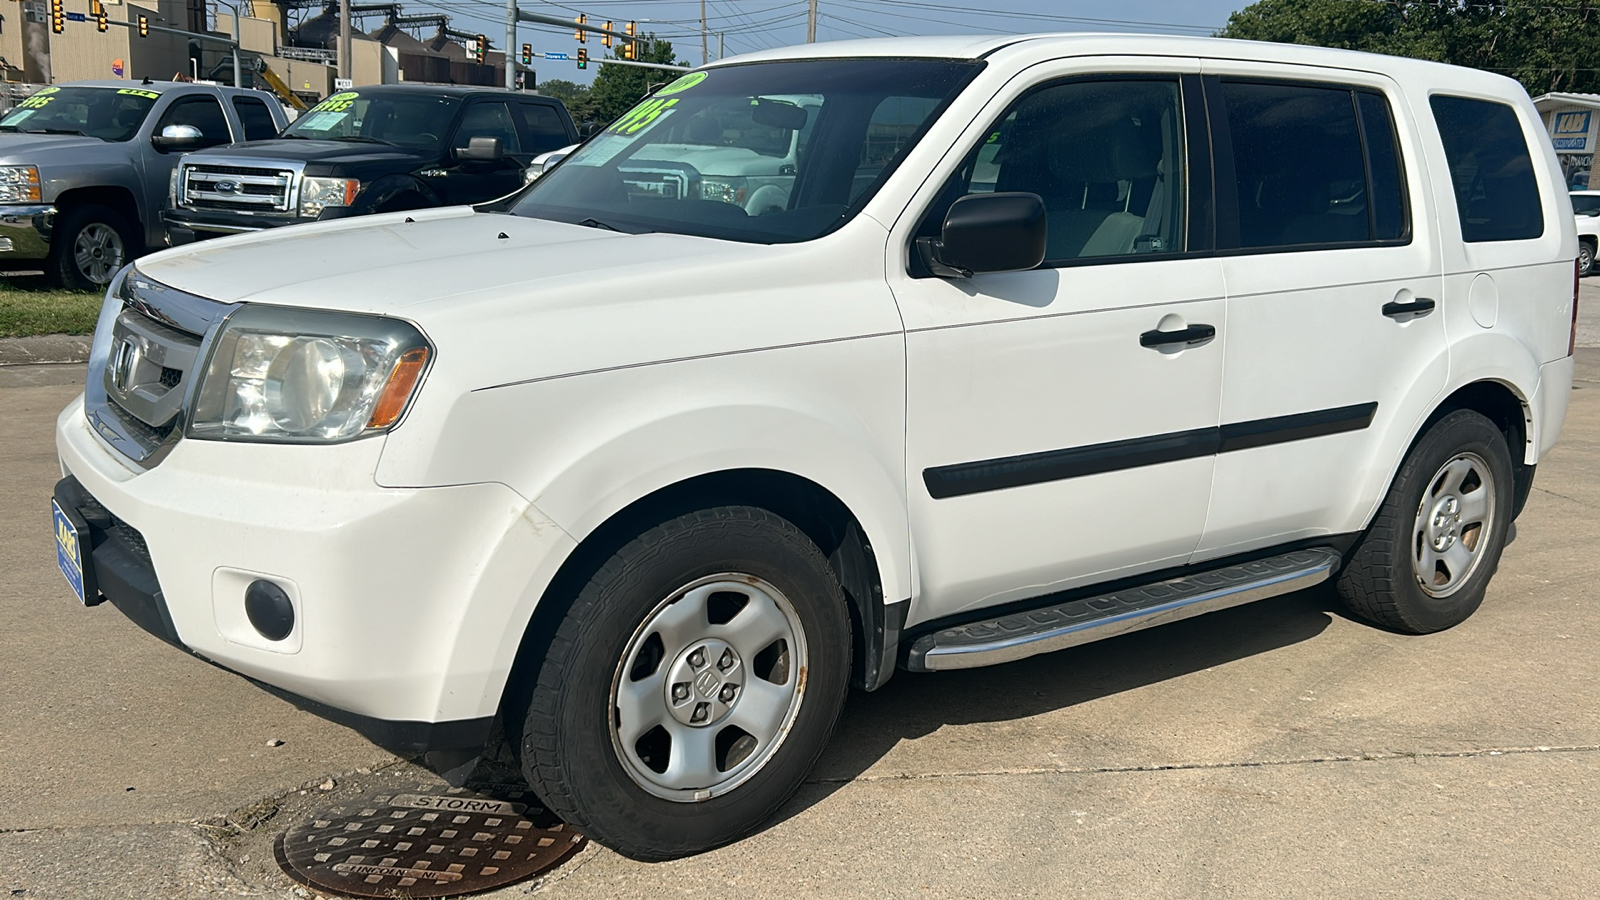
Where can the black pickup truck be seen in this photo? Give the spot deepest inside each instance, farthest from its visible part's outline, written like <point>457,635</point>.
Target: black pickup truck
<point>383,148</point>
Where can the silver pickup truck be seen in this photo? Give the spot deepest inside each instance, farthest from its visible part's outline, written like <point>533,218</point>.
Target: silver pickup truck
<point>85,168</point>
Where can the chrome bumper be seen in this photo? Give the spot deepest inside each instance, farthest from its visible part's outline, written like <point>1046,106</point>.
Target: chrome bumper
<point>25,231</point>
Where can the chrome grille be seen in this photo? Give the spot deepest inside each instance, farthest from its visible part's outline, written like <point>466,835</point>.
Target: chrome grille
<point>206,186</point>
<point>148,342</point>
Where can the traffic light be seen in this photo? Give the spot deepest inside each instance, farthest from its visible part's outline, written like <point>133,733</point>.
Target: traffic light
<point>527,54</point>
<point>58,17</point>
<point>629,49</point>
<point>583,57</point>
<point>582,35</point>
<point>605,36</point>
<point>483,49</point>
<point>144,25</point>
<point>98,11</point>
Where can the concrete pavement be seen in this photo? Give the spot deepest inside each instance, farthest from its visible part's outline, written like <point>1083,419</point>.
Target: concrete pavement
<point>1274,750</point>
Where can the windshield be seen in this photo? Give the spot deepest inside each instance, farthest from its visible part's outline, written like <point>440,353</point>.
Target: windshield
<point>764,153</point>
<point>414,121</point>
<point>111,114</point>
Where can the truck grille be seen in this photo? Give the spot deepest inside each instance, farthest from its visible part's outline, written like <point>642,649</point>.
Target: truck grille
<point>240,188</point>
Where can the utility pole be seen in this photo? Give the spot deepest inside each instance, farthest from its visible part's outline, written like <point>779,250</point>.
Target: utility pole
<point>811,24</point>
<point>704,58</point>
<point>344,39</point>
<point>511,41</point>
<point>235,19</point>
<point>721,46</point>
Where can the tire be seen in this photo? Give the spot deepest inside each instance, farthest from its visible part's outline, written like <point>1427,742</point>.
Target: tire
<point>89,244</point>
<point>707,772</point>
<point>1425,562</point>
<point>1585,257</point>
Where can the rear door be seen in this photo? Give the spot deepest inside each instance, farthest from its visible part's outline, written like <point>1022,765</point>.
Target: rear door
<point>1336,341</point>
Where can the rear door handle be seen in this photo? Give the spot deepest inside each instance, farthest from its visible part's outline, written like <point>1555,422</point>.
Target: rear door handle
<point>1194,334</point>
<point>1418,307</point>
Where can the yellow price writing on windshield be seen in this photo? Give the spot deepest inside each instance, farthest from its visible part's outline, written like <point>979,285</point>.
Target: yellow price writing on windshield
<point>336,103</point>
<point>640,117</point>
<point>133,92</point>
<point>35,102</point>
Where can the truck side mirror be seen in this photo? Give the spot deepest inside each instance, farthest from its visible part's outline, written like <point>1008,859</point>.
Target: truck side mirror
<point>481,149</point>
<point>1003,232</point>
<point>178,137</point>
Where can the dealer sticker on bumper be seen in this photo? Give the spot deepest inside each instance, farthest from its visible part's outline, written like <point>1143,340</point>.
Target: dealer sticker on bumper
<point>69,554</point>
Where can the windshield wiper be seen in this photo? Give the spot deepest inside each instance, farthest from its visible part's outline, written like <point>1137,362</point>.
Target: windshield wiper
<point>363,139</point>
<point>55,131</point>
<point>596,223</point>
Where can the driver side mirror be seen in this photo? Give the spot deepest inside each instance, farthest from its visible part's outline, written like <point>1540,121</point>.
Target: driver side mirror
<point>178,137</point>
<point>1002,232</point>
<point>481,149</point>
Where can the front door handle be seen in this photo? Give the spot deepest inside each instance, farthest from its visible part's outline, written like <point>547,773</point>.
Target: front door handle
<point>1193,335</point>
<point>1418,307</point>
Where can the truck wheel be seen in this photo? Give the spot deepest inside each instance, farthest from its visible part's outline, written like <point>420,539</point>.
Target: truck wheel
<point>1585,257</point>
<point>1426,561</point>
<point>692,685</point>
<point>89,244</point>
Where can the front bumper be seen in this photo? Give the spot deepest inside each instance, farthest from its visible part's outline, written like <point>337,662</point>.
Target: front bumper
<point>185,226</point>
<point>25,231</point>
<point>403,598</point>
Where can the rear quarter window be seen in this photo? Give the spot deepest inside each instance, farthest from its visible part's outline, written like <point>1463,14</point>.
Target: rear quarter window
<point>1497,196</point>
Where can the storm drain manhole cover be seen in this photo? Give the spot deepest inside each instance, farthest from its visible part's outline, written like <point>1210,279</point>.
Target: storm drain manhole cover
<point>426,844</point>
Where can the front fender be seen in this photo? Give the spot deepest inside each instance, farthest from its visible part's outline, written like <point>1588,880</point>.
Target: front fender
<point>386,188</point>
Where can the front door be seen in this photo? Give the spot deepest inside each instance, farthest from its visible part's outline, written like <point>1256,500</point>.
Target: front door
<point>1336,341</point>
<point>478,181</point>
<point>1060,429</point>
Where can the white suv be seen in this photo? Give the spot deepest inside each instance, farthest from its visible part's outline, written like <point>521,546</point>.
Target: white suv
<point>1054,338</point>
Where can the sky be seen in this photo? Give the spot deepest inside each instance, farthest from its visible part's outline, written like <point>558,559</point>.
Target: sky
<point>749,25</point>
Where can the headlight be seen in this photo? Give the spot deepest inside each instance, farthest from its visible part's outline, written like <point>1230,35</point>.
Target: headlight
<point>532,173</point>
<point>317,194</point>
<point>19,184</point>
<point>172,187</point>
<point>726,190</point>
<point>307,376</point>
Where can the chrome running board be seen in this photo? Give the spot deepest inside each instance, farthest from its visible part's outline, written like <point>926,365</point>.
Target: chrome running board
<point>1023,634</point>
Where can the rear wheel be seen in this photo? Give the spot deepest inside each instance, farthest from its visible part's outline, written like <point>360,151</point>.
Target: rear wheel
<point>691,686</point>
<point>1585,256</point>
<point>1426,561</point>
<point>89,244</point>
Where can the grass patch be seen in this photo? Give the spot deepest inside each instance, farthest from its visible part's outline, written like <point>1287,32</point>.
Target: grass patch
<point>29,307</point>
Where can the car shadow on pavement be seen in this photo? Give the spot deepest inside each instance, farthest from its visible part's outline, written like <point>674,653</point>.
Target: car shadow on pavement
<point>914,705</point>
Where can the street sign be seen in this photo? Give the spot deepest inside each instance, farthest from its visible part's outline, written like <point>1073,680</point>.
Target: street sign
<point>77,17</point>
<point>556,55</point>
<point>343,84</point>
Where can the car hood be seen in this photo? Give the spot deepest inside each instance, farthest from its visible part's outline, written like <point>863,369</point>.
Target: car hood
<point>713,160</point>
<point>390,264</point>
<point>27,148</point>
<point>318,152</point>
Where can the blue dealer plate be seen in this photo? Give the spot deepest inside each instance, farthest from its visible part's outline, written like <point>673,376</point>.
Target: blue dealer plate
<point>69,554</point>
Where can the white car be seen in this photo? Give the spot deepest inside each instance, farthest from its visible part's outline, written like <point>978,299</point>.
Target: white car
<point>1586,218</point>
<point>651,480</point>
<point>544,161</point>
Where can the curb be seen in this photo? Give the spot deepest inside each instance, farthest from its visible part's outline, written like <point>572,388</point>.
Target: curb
<point>44,349</point>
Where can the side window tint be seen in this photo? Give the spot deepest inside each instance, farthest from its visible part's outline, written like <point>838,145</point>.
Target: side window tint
<point>1297,164</point>
<point>204,113</point>
<point>490,119</point>
<point>256,119</point>
<point>545,129</point>
<point>1389,220</point>
<point>1106,156</point>
<point>1496,194</point>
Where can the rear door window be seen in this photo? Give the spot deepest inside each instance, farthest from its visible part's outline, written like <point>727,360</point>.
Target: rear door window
<point>1497,196</point>
<point>545,129</point>
<point>256,119</point>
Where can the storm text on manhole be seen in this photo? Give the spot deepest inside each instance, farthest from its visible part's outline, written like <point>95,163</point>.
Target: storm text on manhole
<point>442,843</point>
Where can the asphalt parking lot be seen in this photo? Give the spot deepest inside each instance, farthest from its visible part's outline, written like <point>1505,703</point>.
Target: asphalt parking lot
<point>1275,750</point>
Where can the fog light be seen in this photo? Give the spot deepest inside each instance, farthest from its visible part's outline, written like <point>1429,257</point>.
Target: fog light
<point>269,610</point>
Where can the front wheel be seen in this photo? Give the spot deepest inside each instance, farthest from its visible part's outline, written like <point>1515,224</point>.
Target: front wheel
<point>1425,562</point>
<point>692,685</point>
<point>1585,257</point>
<point>90,243</point>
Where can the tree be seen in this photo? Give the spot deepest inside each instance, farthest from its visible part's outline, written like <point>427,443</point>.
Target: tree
<point>577,98</point>
<point>617,88</point>
<point>1546,46</point>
